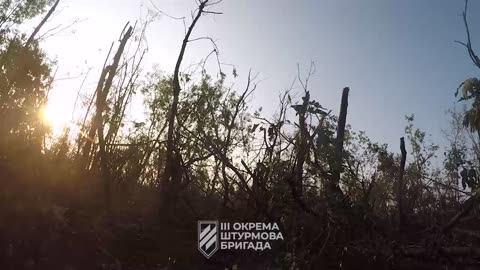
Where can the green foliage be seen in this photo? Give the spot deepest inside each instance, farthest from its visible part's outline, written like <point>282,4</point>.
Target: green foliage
<point>24,83</point>
<point>471,92</point>
<point>422,152</point>
<point>13,12</point>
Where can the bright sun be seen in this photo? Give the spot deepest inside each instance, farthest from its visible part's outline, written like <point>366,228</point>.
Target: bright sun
<point>55,117</point>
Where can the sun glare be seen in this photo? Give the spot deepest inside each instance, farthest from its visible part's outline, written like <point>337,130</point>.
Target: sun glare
<point>55,117</point>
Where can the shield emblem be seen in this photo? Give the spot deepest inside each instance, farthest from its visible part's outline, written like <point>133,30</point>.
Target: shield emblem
<point>208,242</point>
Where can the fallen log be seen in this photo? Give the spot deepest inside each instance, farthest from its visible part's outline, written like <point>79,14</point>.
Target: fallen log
<point>420,252</point>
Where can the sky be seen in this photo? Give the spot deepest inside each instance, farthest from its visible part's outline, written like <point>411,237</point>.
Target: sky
<point>397,57</point>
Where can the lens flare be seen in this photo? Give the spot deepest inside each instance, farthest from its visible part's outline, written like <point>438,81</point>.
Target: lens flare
<point>55,117</point>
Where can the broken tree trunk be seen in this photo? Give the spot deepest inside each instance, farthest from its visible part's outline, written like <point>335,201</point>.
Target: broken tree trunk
<point>400,199</point>
<point>334,193</point>
<point>97,126</point>
<point>101,104</point>
<point>103,88</point>
<point>302,146</point>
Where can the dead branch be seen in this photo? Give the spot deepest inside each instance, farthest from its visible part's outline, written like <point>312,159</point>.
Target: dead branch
<point>171,17</point>
<point>57,30</point>
<point>468,45</point>
<point>446,186</point>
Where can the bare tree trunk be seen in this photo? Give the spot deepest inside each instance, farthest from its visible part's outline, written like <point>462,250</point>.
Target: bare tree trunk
<point>171,173</point>
<point>334,192</point>
<point>104,172</point>
<point>477,150</point>
<point>400,198</point>
<point>103,88</point>
<point>91,134</point>
<point>95,123</point>
<point>101,104</point>
<point>40,25</point>
<point>302,146</point>
<point>97,126</point>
